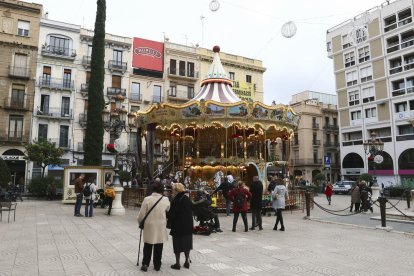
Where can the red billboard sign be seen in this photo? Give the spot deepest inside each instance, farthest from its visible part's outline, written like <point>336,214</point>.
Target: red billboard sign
<point>148,54</point>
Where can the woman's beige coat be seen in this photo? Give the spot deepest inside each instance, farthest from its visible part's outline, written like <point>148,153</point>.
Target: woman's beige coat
<point>155,228</point>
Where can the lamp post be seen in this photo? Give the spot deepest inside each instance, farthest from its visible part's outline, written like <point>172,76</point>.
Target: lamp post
<point>373,148</point>
<point>115,122</point>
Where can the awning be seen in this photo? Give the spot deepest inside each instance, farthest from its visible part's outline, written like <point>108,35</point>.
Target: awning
<point>54,168</point>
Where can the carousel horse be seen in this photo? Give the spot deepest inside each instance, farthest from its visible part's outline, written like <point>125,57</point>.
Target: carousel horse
<point>218,177</point>
<point>178,176</point>
<point>187,181</point>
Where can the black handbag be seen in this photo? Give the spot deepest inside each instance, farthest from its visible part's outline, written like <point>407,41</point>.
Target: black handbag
<point>141,224</point>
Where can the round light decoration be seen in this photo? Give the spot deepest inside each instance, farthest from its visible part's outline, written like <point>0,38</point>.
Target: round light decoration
<point>214,5</point>
<point>120,145</point>
<point>378,159</point>
<point>289,29</point>
<point>358,35</point>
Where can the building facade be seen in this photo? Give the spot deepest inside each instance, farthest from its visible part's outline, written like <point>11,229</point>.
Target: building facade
<point>315,147</point>
<point>19,39</point>
<point>373,58</point>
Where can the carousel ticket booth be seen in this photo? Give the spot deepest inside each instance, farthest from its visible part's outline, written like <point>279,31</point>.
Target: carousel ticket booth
<point>216,132</point>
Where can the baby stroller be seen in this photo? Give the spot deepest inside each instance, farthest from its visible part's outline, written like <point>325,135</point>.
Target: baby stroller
<point>206,224</point>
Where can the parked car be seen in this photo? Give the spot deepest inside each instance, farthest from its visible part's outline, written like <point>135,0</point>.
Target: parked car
<point>343,187</point>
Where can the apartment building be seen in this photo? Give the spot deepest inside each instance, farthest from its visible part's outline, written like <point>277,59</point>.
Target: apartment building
<point>315,147</point>
<point>19,36</point>
<point>373,56</point>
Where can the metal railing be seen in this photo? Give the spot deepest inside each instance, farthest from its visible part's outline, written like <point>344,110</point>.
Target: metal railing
<point>58,51</point>
<point>19,72</point>
<point>52,83</point>
<point>116,65</point>
<point>83,118</point>
<point>54,112</point>
<point>61,143</point>
<point>14,136</point>
<point>16,104</point>
<point>114,91</point>
<point>84,87</point>
<point>306,161</point>
<point>331,127</point>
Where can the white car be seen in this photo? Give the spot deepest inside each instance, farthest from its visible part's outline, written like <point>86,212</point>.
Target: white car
<point>343,187</point>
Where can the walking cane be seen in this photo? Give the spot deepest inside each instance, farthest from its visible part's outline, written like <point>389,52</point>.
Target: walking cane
<point>139,246</point>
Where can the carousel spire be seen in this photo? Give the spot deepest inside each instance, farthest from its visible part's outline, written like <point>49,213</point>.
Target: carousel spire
<point>217,84</point>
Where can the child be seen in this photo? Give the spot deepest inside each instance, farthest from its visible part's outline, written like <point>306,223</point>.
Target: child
<point>109,196</point>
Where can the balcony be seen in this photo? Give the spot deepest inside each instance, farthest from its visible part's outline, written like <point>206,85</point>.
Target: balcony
<point>84,89</point>
<point>174,95</point>
<point>118,66</point>
<point>19,72</point>
<point>115,91</point>
<point>54,113</point>
<point>316,142</point>
<point>352,143</point>
<point>307,162</point>
<point>334,145</point>
<point>16,104</point>
<point>331,127</point>
<point>182,74</point>
<point>58,52</point>
<point>14,137</point>
<point>58,84</point>
<point>86,61</point>
<point>393,46</point>
<point>61,142</point>
<point>315,125</point>
<point>83,118</point>
<point>135,97</point>
<point>395,70</point>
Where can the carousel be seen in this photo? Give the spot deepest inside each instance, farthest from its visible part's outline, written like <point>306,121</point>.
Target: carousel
<point>215,133</point>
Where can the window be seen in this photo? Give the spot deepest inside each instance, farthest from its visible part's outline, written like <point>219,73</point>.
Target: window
<point>231,75</point>
<point>409,62</point>
<point>355,115</point>
<point>371,112</point>
<point>173,66</point>
<point>315,156</point>
<point>390,23</point>
<point>17,96</point>
<point>366,74</point>
<point>116,81</point>
<point>190,92</point>
<point>351,78</point>
<point>88,76</point>
<point>328,46</point>
<point>42,132</point>
<point>395,65</point>
<point>383,132</point>
<point>351,136</point>
<point>59,45</point>
<point>64,137</point>
<point>349,59</point>
<point>405,130</point>
<point>181,68</point>
<point>400,107</point>
<point>15,127</point>
<point>368,94</point>
<point>173,89</point>
<point>47,71</point>
<point>117,57</point>
<point>20,66</point>
<point>156,94</point>
<point>353,98</point>
<point>248,79</point>
<point>65,110</point>
<point>398,88</point>
<point>411,103</point>
<point>345,42</point>
<point>67,78</point>
<point>89,51</point>
<point>134,108</point>
<point>190,69</point>
<point>326,121</point>
<point>44,105</point>
<point>363,54</point>
<point>136,91</point>
<point>23,28</point>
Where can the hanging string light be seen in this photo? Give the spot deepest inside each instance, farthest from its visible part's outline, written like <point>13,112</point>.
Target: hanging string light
<point>214,5</point>
<point>289,29</point>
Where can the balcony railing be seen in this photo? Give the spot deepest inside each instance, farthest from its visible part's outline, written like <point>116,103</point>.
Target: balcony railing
<point>52,83</point>
<point>331,127</point>
<point>307,162</point>
<point>316,142</point>
<point>19,72</point>
<point>135,97</point>
<point>315,125</point>
<point>86,61</point>
<point>398,92</point>
<point>331,144</point>
<point>84,87</point>
<point>16,104</point>
<point>115,91</point>
<point>116,65</point>
<point>66,53</point>
<point>61,142</point>
<point>83,118</point>
<point>14,136</point>
<point>54,113</point>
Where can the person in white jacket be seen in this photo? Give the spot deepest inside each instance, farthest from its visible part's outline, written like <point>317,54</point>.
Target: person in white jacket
<point>155,226</point>
<point>90,198</point>
<point>279,195</point>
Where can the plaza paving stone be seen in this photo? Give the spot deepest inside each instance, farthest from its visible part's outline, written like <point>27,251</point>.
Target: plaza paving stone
<point>47,239</point>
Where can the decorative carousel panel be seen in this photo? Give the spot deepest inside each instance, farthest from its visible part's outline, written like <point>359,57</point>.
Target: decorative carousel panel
<point>215,110</point>
<point>277,114</point>
<point>260,112</point>
<point>237,111</point>
<point>191,111</point>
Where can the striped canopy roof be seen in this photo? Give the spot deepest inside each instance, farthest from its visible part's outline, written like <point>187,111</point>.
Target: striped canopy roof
<point>217,85</point>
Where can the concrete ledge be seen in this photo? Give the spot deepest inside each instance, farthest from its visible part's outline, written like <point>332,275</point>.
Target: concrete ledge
<point>386,228</point>
<point>394,220</point>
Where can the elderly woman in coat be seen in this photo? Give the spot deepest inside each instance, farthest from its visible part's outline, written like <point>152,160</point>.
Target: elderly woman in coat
<point>155,227</point>
<point>279,196</point>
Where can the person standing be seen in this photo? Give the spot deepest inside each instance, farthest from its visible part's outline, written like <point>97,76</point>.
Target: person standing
<point>155,231</point>
<point>180,221</point>
<point>355,197</point>
<point>109,196</point>
<point>256,202</point>
<point>239,196</point>
<point>78,183</point>
<point>225,187</point>
<point>279,196</point>
<point>89,198</point>
<point>328,192</point>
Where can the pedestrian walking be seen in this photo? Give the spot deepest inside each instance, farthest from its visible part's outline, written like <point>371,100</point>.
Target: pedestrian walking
<point>152,218</point>
<point>279,195</point>
<point>78,183</point>
<point>89,191</point>
<point>355,197</point>
<point>109,196</point>
<point>239,196</point>
<point>328,192</point>
<point>180,221</point>
<point>256,202</point>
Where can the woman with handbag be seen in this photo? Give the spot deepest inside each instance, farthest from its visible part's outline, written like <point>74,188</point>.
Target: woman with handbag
<point>279,195</point>
<point>180,221</point>
<point>152,219</point>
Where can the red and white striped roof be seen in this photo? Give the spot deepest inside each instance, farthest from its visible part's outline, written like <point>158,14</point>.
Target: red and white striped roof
<point>217,85</point>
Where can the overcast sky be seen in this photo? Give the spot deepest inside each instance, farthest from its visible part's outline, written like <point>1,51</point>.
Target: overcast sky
<point>249,28</point>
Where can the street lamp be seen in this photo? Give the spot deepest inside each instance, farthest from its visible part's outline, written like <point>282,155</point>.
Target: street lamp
<point>373,149</point>
<point>115,122</point>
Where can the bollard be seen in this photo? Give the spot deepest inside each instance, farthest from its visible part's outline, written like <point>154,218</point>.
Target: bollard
<point>408,197</point>
<point>382,200</point>
<point>307,197</point>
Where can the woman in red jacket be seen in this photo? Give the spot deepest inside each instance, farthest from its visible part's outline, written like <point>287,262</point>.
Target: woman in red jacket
<point>240,196</point>
<point>328,192</point>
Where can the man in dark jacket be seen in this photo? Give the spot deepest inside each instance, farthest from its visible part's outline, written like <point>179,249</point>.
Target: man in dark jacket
<point>78,183</point>
<point>225,187</point>
<point>256,202</point>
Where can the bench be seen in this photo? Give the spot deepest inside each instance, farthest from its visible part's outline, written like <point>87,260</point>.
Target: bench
<point>8,206</point>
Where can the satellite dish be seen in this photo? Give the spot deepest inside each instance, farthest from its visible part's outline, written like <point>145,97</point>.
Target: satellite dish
<point>289,29</point>
<point>214,5</point>
<point>120,145</point>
